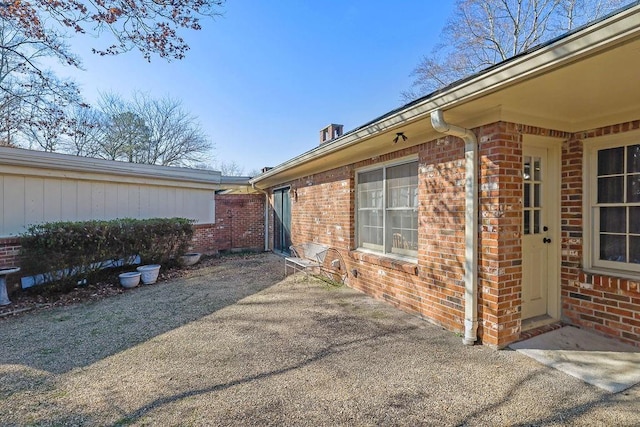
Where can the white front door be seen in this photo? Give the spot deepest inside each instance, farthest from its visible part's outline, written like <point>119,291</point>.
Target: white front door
<point>539,258</point>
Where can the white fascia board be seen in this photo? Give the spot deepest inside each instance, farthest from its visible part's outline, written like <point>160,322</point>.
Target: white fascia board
<point>65,162</point>
<point>565,50</point>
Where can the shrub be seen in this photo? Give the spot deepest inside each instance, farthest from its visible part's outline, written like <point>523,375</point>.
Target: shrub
<point>68,252</point>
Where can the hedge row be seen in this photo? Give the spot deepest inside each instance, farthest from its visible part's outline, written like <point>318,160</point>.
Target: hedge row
<point>68,252</point>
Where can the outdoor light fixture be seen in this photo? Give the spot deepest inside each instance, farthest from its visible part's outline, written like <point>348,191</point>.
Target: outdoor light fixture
<point>398,136</point>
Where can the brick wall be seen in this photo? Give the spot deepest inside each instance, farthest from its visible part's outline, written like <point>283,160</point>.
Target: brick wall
<point>500,252</point>
<point>239,225</point>
<point>323,210</point>
<point>604,303</point>
<point>441,231</point>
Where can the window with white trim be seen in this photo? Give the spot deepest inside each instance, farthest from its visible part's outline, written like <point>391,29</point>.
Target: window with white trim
<point>615,207</point>
<point>387,209</point>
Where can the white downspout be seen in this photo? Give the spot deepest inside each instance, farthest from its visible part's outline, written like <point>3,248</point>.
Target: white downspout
<point>266,216</point>
<point>471,222</point>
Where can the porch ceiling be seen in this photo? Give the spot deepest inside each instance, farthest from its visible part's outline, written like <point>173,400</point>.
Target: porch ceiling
<point>591,92</point>
<point>574,88</point>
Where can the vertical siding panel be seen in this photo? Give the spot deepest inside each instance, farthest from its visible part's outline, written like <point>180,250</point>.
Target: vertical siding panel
<point>190,204</point>
<point>98,210</point>
<point>14,204</point>
<point>134,201</point>
<point>122,201</point>
<point>144,202</point>
<point>83,201</point>
<point>34,200</point>
<point>169,201</point>
<point>52,200</point>
<point>69,200</point>
<point>179,211</point>
<point>110,200</point>
<point>154,201</point>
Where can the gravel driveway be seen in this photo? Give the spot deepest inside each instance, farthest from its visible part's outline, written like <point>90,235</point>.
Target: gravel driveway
<point>234,344</point>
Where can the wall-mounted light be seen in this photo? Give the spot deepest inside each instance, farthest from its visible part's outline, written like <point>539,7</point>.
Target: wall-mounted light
<point>400,135</point>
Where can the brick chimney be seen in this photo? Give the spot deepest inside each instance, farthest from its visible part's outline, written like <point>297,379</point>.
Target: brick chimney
<point>330,133</point>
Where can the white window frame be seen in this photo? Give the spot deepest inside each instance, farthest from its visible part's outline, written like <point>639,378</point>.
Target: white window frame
<point>591,218</point>
<point>407,255</point>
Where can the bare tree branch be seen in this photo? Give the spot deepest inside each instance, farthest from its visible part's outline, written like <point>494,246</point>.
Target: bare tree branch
<point>484,32</point>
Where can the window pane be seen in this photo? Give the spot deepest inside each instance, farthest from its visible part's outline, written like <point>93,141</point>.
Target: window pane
<point>613,248</point>
<point>404,230</point>
<point>401,182</point>
<point>370,228</point>
<point>536,195</point>
<point>633,188</point>
<point>634,249</point>
<point>370,189</point>
<point>527,195</point>
<point>537,169</point>
<point>633,158</point>
<point>634,219</point>
<point>526,175</point>
<point>527,222</point>
<point>371,176</point>
<point>536,222</point>
<point>613,220</point>
<point>610,190</point>
<point>611,161</point>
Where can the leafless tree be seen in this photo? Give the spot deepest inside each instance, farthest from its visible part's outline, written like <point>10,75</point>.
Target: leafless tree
<point>482,33</point>
<point>151,131</point>
<point>34,32</point>
<point>87,131</point>
<point>176,137</point>
<point>229,168</point>
<point>32,98</point>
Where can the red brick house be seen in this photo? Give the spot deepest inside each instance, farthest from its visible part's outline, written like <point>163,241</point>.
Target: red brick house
<point>501,203</point>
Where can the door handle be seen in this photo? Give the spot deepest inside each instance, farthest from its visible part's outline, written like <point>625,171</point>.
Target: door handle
<point>545,240</point>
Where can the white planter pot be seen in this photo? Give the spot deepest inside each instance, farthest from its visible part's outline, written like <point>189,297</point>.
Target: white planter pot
<point>149,273</point>
<point>190,258</point>
<point>130,279</point>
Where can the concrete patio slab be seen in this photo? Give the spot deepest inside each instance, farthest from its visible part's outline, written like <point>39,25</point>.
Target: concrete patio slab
<point>603,362</point>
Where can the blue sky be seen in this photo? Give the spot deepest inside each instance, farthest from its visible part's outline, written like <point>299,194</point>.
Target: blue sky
<point>265,78</point>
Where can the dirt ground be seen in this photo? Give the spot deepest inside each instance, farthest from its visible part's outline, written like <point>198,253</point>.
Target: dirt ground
<point>233,343</point>
<point>35,299</point>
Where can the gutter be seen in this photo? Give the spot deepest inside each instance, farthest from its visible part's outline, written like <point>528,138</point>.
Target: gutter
<point>470,220</point>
